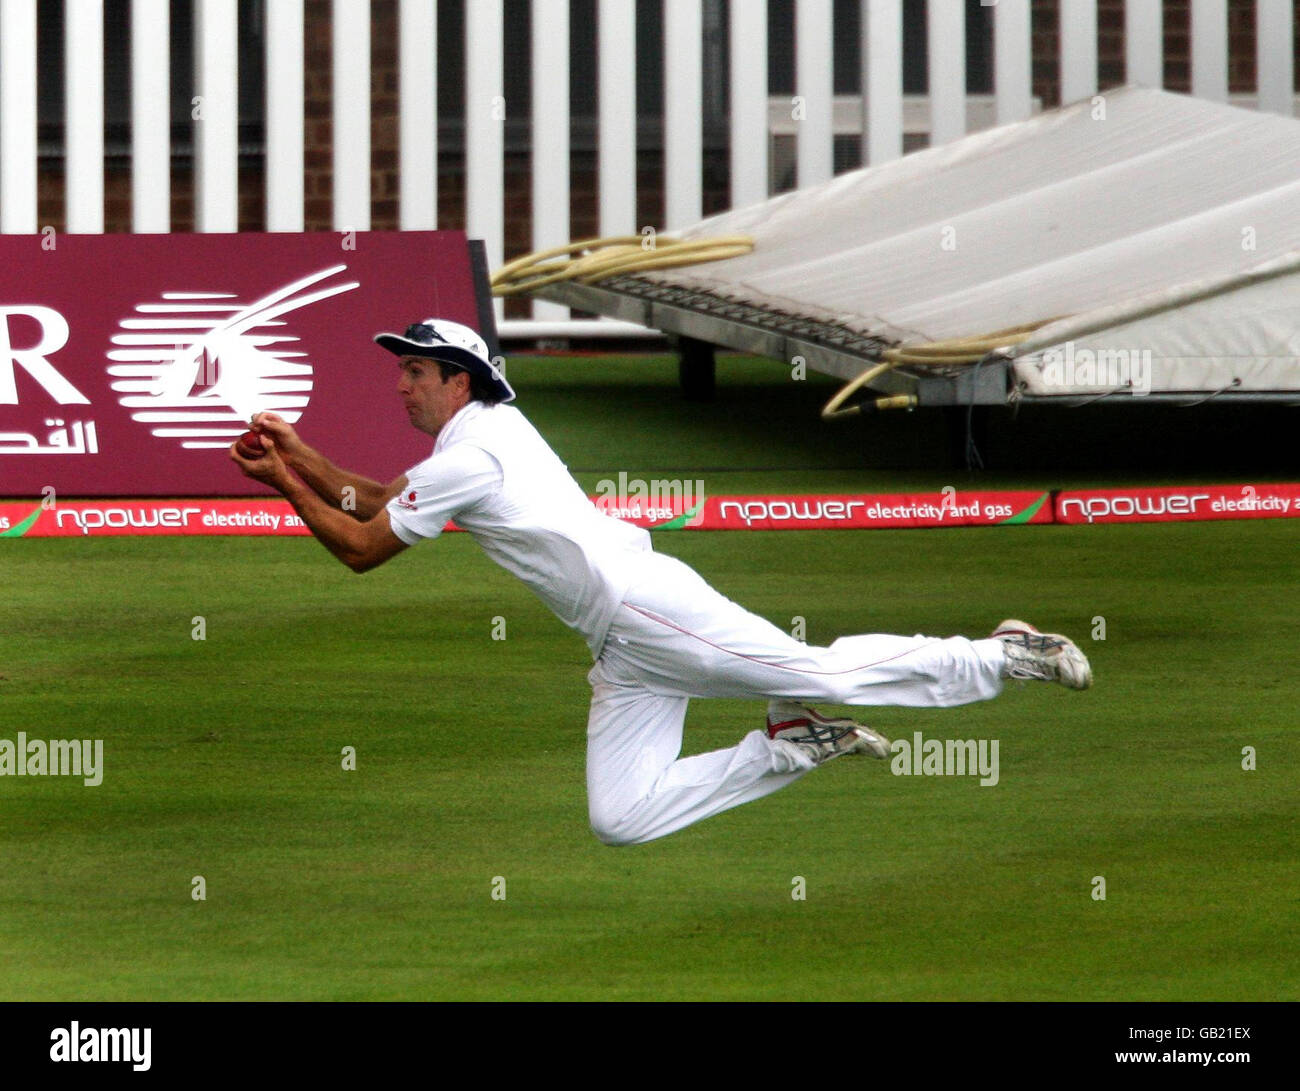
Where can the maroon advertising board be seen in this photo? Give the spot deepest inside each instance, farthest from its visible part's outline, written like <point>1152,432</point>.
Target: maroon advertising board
<point>130,363</point>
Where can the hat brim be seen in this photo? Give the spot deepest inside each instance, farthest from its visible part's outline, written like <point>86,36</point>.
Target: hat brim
<point>451,354</point>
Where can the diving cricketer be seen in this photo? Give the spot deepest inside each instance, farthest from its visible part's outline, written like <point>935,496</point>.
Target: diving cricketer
<point>659,634</point>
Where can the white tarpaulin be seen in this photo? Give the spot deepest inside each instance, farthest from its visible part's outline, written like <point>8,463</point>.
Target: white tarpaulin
<point>1151,224</point>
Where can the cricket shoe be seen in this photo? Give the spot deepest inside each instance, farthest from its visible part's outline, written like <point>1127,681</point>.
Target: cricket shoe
<point>820,737</point>
<point>1042,657</point>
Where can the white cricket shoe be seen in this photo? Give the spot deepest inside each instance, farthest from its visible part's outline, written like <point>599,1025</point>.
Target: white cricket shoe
<point>1042,657</point>
<point>821,737</point>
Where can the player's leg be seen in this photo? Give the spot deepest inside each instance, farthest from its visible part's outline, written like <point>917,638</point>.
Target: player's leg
<point>688,639</point>
<point>638,789</point>
<point>675,637</point>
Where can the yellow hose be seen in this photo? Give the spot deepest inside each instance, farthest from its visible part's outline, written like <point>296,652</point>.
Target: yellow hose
<point>606,257</point>
<point>949,353</point>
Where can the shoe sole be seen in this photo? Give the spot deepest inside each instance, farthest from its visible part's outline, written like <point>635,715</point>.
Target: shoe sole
<point>870,742</point>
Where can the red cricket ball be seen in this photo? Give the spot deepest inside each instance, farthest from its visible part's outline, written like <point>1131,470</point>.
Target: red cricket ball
<point>250,445</point>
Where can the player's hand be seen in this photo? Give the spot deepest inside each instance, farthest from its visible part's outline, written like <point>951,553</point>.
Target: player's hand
<point>268,468</point>
<point>281,432</point>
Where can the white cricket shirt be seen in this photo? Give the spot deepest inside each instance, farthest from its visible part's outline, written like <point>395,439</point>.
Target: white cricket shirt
<point>493,474</point>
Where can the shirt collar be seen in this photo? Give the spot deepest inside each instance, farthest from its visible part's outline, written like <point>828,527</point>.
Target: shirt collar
<point>451,430</point>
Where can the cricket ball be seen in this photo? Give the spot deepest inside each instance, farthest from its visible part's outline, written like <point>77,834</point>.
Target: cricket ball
<point>250,445</point>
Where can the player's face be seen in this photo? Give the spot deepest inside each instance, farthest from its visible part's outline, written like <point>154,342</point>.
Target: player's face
<point>429,400</point>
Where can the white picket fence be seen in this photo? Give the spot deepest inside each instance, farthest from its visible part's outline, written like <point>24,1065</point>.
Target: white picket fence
<point>882,115</point>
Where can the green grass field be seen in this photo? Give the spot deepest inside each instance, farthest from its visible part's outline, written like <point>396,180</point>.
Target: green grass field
<point>223,757</point>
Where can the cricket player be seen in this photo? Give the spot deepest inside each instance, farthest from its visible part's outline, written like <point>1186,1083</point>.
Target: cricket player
<point>658,632</point>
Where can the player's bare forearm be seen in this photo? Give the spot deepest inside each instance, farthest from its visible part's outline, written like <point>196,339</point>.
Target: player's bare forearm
<point>361,545</point>
<point>354,494</point>
<point>332,484</point>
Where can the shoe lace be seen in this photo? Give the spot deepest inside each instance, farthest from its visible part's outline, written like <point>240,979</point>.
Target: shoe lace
<point>820,734</point>
<point>1027,653</point>
<point>1035,643</point>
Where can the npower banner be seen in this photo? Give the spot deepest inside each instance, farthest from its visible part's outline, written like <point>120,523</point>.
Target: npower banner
<point>948,508</point>
<point>685,508</point>
<point>130,363</point>
<point>1178,503</point>
<point>678,510</point>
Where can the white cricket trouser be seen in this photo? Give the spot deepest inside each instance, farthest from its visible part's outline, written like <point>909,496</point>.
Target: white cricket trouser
<point>674,637</point>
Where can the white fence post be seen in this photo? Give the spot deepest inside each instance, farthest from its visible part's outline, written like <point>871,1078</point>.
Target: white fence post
<point>151,120</point>
<point>83,75</point>
<point>616,67</point>
<point>215,114</point>
<point>683,107</point>
<point>814,105</point>
<point>882,80</point>
<point>1210,50</point>
<point>550,140</point>
<point>351,42</point>
<point>1144,46</point>
<point>1013,86</point>
<point>1274,63</point>
<point>946,30</point>
<point>485,114</point>
<point>18,116</point>
<point>1078,49</point>
<point>417,115</point>
<point>284,116</point>
<point>749,156</point>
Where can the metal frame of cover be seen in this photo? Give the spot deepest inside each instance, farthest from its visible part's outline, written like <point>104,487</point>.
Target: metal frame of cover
<point>837,351</point>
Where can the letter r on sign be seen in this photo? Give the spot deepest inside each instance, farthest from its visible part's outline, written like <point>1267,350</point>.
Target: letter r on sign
<point>54,335</point>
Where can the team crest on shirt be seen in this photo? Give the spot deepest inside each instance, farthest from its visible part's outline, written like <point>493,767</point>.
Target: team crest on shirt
<point>407,501</point>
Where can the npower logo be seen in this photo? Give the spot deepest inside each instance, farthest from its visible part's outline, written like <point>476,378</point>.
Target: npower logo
<point>1090,509</point>
<point>195,366</point>
<point>752,511</point>
<point>87,518</point>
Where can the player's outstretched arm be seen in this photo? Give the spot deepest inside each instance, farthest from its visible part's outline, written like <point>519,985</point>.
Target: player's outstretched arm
<point>328,481</point>
<point>361,545</point>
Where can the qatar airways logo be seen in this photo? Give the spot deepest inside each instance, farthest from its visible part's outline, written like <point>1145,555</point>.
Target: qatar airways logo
<point>195,366</point>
